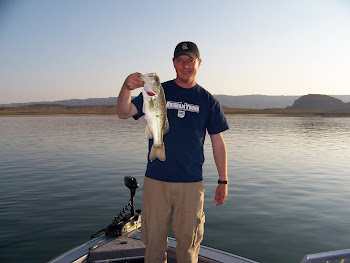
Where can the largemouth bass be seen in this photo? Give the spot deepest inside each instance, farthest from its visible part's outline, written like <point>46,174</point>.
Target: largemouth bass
<point>154,108</point>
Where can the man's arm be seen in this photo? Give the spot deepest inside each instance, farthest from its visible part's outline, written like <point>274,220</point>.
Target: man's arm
<point>125,108</point>
<point>219,151</point>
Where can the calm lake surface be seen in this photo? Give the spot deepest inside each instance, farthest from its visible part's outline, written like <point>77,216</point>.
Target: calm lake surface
<point>62,180</point>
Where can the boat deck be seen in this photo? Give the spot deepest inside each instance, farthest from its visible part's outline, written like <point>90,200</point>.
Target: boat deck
<point>131,249</point>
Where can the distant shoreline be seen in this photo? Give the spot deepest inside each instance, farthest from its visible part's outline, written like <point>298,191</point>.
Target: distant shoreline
<point>52,110</point>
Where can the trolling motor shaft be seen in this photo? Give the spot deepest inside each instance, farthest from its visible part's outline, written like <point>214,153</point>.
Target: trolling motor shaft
<point>132,184</point>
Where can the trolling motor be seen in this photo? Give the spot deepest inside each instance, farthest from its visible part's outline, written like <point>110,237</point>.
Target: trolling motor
<point>123,222</point>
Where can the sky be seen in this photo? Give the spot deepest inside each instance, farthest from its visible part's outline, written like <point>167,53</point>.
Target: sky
<point>56,50</point>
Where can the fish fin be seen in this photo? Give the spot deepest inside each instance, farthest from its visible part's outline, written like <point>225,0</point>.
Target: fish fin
<point>166,128</point>
<point>157,152</point>
<point>148,133</point>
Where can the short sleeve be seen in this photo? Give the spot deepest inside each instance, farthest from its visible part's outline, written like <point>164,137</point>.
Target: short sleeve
<point>217,122</point>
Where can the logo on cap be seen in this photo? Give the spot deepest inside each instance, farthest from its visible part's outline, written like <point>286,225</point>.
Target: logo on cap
<point>184,46</point>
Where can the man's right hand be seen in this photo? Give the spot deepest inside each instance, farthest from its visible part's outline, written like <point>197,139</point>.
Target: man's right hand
<point>133,81</point>
<point>125,108</point>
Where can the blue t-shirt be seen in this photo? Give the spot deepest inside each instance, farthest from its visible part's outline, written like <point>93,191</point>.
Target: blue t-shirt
<point>191,112</point>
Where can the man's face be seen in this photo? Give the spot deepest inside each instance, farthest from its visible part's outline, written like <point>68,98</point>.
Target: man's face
<point>186,69</point>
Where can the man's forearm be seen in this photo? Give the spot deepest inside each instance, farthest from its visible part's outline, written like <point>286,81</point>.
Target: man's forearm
<point>220,156</point>
<point>124,103</point>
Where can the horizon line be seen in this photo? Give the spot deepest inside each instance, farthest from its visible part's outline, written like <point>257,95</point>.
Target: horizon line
<point>50,101</point>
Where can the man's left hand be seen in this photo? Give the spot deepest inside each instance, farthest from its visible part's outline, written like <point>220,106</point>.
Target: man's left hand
<point>221,194</point>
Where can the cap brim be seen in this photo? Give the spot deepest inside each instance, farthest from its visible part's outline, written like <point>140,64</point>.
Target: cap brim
<point>190,54</point>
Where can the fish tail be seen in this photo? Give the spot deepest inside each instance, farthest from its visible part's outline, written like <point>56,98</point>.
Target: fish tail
<point>157,152</point>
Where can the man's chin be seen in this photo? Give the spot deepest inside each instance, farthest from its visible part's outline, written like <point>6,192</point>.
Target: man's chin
<point>185,79</point>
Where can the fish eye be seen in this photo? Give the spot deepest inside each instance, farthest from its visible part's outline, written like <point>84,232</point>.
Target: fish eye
<point>156,78</point>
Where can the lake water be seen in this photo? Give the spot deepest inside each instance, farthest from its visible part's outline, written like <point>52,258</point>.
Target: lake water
<point>62,180</point>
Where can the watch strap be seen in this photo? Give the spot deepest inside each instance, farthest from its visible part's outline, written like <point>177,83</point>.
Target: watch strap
<point>222,182</point>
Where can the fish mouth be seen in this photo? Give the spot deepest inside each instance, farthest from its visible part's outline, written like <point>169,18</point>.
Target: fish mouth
<point>148,85</point>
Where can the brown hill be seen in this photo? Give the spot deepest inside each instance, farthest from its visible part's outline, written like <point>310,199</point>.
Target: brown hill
<point>319,102</point>
<point>54,109</point>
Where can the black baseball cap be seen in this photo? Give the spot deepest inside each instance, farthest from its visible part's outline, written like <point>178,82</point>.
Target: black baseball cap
<point>187,48</point>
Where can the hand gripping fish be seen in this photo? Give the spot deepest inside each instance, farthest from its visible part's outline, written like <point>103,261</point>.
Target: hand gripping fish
<point>154,108</point>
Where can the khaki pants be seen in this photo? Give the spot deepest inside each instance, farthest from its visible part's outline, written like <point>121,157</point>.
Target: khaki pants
<point>179,203</point>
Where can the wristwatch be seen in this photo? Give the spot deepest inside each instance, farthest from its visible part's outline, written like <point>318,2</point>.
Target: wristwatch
<point>222,182</point>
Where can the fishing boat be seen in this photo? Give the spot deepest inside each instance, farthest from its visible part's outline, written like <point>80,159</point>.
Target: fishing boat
<point>121,242</point>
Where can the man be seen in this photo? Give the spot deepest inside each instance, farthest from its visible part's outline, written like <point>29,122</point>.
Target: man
<point>173,190</point>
